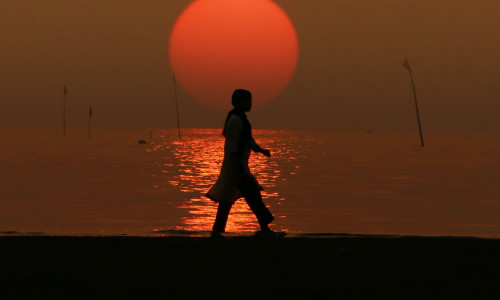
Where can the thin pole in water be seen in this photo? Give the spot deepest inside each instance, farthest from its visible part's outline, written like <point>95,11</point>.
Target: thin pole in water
<point>65,92</point>
<point>90,116</point>
<point>406,65</point>
<point>177,109</point>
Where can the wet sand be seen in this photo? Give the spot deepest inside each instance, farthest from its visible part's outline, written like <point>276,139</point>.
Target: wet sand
<point>46,267</point>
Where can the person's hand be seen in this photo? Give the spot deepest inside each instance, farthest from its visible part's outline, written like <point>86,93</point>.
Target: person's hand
<point>266,152</point>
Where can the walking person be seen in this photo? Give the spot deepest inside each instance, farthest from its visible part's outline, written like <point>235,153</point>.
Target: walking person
<point>235,179</point>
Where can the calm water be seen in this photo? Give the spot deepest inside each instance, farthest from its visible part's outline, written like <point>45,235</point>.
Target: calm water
<point>316,181</point>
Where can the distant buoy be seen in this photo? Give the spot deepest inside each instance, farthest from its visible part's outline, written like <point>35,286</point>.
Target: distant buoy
<point>142,142</point>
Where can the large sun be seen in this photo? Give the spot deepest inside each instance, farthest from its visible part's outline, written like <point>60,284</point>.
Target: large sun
<point>217,46</point>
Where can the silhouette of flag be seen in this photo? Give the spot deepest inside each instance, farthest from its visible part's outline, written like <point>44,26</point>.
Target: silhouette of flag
<point>90,111</point>
<point>65,90</point>
<point>406,65</point>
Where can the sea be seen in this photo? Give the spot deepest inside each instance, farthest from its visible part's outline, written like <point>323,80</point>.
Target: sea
<point>317,182</point>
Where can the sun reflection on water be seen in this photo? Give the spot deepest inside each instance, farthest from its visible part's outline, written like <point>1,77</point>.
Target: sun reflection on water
<point>192,165</point>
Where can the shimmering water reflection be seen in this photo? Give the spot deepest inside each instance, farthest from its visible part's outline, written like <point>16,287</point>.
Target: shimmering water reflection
<point>193,164</point>
<point>316,181</point>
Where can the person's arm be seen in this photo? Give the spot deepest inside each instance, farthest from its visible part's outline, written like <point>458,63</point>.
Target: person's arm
<point>256,148</point>
<point>236,165</point>
<point>233,130</point>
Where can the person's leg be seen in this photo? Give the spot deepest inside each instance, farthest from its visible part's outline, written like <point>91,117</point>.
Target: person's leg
<point>264,216</point>
<point>221,217</point>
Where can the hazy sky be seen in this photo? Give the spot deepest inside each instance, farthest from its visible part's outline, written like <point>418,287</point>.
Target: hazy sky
<point>113,55</point>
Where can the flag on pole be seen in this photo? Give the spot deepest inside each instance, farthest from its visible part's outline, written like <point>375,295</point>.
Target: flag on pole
<point>65,90</point>
<point>406,65</point>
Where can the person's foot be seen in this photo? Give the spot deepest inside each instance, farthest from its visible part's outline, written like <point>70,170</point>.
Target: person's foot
<point>216,235</point>
<point>270,234</point>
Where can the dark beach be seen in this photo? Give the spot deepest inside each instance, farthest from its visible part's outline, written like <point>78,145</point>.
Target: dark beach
<point>52,267</point>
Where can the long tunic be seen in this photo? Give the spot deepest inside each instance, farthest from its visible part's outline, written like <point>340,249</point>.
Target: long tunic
<point>226,188</point>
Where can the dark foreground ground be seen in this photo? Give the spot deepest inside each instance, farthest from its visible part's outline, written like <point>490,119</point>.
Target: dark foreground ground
<point>42,267</point>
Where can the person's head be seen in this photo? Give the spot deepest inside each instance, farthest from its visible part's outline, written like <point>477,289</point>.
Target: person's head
<point>242,100</point>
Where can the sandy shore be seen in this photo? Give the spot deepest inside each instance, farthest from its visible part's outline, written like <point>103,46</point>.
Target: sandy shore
<point>44,267</point>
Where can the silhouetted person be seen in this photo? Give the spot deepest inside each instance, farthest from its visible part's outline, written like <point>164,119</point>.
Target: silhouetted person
<point>235,179</point>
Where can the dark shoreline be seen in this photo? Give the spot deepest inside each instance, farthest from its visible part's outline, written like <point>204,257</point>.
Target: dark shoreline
<point>367,267</point>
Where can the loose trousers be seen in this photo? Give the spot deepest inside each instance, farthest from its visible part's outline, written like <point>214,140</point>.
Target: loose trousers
<point>254,199</point>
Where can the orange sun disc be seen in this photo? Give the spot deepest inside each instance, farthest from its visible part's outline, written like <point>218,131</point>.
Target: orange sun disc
<point>217,46</point>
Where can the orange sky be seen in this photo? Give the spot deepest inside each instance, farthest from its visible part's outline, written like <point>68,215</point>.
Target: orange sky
<point>113,55</point>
